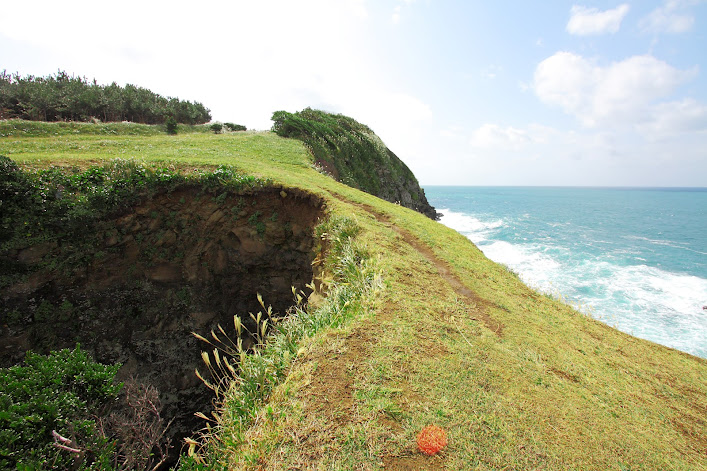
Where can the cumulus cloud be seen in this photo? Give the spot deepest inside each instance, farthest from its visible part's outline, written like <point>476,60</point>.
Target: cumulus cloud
<point>671,17</point>
<point>622,93</point>
<point>585,21</point>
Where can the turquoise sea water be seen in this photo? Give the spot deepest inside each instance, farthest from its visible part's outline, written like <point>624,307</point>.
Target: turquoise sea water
<point>635,258</point>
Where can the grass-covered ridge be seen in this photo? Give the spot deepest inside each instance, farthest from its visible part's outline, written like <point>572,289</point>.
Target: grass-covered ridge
<point>353,154</point>
<point>517,379</point>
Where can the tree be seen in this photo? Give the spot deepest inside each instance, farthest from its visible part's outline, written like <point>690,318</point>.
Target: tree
<point>69,98</point>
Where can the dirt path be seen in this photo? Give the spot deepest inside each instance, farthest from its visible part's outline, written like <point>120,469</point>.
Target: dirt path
<point>478,306</point>
<point>333,388</point>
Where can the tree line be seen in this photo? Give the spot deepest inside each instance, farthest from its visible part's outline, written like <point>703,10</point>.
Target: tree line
<point>68,98</point>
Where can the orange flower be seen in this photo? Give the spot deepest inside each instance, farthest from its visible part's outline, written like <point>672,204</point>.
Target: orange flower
<point>431,439</point>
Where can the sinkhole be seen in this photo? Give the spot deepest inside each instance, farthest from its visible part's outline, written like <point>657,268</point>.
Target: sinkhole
<point>178,262</point>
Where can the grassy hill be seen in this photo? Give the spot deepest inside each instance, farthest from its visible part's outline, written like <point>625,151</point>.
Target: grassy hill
<point>353,154</point>
<point>429,331</point>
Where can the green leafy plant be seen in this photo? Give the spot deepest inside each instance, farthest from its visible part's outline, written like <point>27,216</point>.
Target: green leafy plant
<point>52,400</point>
<point>352,153</point>
<point>217,128</point>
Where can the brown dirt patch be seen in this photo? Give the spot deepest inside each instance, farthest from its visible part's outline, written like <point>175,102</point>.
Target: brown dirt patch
<point>329,403</point>
<point>334,385</point>
<point>564,375</point>
<point>413,462</point>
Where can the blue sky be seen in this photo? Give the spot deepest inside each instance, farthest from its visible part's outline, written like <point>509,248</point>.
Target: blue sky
<point>465,92</point>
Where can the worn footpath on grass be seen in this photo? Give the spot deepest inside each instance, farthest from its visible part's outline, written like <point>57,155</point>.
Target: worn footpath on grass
<point>337,418</point>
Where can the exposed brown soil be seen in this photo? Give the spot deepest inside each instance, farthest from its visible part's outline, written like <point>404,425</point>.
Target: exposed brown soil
<point>333,387</point>
<point>176,263</point>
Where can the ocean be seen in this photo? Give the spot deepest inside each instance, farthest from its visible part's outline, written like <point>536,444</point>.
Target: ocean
<point>634,258</point>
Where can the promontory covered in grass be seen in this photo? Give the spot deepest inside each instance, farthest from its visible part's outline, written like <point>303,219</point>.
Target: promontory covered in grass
<point>396,322</point>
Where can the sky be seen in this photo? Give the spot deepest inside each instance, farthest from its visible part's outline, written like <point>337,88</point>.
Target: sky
<point>464,92</point>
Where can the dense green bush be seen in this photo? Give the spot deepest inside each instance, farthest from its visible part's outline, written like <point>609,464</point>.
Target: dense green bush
<point>171,125</point>
<point>235,127</point>
<point>68,98</point>
<point>217,128</point>
<point>60,393</point>
<point>351,153</point>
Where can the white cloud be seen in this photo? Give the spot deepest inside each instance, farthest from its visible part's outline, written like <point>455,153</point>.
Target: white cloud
<point>452,132</point>
<point>622,93</point>
<point>669,18</point>
<point>675,118</point>
<point>567,80</point>
<point>499,154</point>
<point>493,136</point>
<point>585,21</point>
<point>396,14</point>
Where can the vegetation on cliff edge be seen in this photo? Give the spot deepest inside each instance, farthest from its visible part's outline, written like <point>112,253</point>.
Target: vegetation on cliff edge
<point>352,153</point>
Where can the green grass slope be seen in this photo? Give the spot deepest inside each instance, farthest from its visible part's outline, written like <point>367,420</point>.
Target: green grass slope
<point>517,379</point>
<point>353,154</point>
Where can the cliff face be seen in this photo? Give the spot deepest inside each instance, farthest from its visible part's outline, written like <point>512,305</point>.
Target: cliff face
<point>175,263</point>
<point>353,154</point>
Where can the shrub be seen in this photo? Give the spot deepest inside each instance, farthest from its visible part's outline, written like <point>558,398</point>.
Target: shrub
<point>235,127</point>
<point>53,398</point>
<point>171,125</point>
<point>217,128</point>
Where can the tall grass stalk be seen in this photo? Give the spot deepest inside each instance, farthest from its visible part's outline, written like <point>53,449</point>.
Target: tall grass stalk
<point>242,388</point>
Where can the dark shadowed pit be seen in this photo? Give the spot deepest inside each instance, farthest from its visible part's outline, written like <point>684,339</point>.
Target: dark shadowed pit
<point>178,262</point>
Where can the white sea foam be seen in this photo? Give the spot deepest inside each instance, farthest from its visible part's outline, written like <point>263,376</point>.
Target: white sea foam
<point>654,304</point>
<point>534,267</point>
<point>642,300</point>
<point>666,243</point>
<point>470,226</point>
